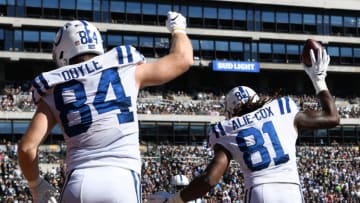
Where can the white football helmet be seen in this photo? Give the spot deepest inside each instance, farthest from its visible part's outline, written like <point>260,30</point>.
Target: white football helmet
<point>179,180</point>
<point>75,38</point>
<point>238,95</point>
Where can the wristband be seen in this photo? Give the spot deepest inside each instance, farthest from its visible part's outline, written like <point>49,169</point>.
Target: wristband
<point>320,85</point>
<point>179,30</point>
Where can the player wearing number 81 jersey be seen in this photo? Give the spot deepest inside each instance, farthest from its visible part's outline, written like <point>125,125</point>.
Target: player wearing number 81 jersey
<point>261,141</point>
<point>92,95</point>
<point>260,134</point>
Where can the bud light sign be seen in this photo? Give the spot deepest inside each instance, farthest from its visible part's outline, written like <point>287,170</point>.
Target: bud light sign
<point>236,66</point>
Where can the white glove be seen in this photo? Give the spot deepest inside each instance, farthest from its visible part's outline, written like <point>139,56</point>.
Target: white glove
<point>317,71</point>
<point>175,22</point>
<point>165,197</point>
<point>42,191</point>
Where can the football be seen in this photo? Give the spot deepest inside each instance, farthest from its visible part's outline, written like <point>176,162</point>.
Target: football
<point>309,44</point>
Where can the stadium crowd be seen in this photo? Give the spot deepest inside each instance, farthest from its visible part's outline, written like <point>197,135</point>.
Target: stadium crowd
<point>13,186</point>
<point>329,174</point>
<point>17,98</point>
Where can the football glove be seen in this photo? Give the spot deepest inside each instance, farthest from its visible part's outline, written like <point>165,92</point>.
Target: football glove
<point>318,69</point>
<point>165,197</point>
<point>42,191</point>
<point>175,22</point>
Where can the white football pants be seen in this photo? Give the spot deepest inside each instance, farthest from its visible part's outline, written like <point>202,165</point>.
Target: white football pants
<point>102,184</point>
<point>274,192</point>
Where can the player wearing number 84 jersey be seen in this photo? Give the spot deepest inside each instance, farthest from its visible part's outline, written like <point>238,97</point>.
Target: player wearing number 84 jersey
<point>92,95</point>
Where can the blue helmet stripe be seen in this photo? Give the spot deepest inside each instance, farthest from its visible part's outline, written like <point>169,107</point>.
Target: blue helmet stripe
<point>87,31</point>
<point>244,94</point>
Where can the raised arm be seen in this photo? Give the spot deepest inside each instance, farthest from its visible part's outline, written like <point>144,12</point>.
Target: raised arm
<point>178,61</point>
<point>328,116</point>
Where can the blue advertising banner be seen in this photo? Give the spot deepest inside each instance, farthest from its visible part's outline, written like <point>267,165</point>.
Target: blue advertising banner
<point>236,66</point>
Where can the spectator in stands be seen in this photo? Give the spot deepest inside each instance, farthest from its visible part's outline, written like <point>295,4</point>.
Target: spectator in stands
<point>8,103</point>
<point>93,96</point>
<point>151,103</point>
<point>324,162</point>
<point>309,168</point>
<point>264,133</point>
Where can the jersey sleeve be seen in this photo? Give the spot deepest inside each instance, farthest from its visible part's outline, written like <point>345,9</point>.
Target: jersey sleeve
<point>120,56</point>
<point>287,106</point>
<point>39,86</point>
<point>216,132</point>
<point>129,55</point>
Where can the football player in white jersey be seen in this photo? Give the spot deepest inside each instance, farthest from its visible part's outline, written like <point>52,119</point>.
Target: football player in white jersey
<point>92,95</point>
<point>260,134</point>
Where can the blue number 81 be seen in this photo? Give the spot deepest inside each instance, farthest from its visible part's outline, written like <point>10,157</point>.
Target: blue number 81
<point>258,147</point>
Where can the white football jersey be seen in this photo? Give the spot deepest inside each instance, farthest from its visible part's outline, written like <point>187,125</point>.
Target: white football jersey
<point>94,102</point>
<point>263,142</point>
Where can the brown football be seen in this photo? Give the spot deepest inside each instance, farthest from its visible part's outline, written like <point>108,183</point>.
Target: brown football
<point>309,44</point>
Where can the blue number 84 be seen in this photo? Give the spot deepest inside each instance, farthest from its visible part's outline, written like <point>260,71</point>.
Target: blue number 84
<point>259,147</point>
<point>79,108</point>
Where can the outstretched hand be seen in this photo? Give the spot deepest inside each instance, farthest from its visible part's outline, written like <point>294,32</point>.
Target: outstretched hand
<point>319,65</point>
<point>318,70</point>
<point>175,22</point>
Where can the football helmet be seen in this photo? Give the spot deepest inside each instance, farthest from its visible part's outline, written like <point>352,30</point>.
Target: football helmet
<point>179,180</point>
<point>238,95</point>
<point>75,38</point>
